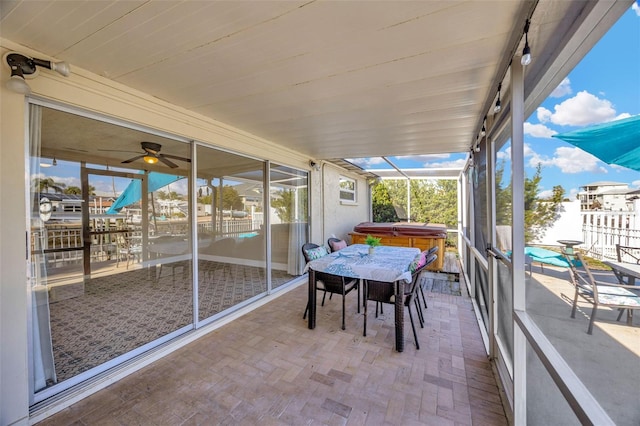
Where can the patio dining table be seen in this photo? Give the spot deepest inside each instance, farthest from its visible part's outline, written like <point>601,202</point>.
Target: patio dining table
<point>623,269</point>
<point>386,264</point>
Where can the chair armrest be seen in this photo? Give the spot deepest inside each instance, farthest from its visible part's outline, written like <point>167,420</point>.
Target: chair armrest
<point>630,287</point>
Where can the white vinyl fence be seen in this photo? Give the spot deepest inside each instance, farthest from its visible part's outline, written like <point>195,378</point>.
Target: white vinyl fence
<point>603,230</point>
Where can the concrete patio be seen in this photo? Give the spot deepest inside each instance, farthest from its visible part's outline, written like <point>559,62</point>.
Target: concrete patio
<point>606,361</point>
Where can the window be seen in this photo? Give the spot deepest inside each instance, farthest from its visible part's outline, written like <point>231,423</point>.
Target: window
<point>347,189</point>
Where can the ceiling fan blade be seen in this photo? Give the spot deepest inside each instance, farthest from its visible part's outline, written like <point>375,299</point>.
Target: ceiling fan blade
<point>167,162</point>
<point>175,157</point>
<point>133,159</point>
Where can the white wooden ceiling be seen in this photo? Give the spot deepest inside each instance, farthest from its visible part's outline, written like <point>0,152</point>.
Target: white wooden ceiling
<point>331,79</point>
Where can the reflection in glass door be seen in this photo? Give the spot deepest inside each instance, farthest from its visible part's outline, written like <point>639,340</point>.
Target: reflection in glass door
<point>231,232</point>
<point>99,294</point>
<point>289,197</point>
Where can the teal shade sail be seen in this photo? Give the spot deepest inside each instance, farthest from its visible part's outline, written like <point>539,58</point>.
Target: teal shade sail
<point>133,192</point>
<point>616,142</point>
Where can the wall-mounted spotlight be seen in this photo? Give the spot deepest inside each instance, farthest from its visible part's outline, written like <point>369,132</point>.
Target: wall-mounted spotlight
<point>315,166</point>
<point>24,66</point>
<point>526,52</point>
<point>498,106</point>
<point>51,164</point>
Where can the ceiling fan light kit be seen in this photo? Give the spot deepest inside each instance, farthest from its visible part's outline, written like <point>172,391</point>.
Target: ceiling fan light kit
<point>152,155</point>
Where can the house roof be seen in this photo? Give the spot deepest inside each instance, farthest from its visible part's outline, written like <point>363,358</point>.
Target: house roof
<point>326,79</point>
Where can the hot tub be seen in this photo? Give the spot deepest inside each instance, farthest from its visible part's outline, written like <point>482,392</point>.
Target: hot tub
<point>403,234</point>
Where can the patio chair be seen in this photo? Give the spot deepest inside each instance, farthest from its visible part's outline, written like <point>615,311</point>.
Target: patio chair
<point>330,283</point>
<point>126,249</point>
<point>336,244</point>
<point>599,293</point>
<point>383,292</point>
<point>627,254</point>
<point>430,259</point>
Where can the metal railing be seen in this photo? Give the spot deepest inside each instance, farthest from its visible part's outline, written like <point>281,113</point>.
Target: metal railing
<point>62,243</point>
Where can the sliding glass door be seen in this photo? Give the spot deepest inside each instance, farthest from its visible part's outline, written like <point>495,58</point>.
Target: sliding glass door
<point>289,200</point>
<point>117,231</point>
<point>231,233</point>
<point>110,258</point>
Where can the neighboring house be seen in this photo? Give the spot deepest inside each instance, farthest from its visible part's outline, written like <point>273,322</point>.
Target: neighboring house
<point>610,196</point>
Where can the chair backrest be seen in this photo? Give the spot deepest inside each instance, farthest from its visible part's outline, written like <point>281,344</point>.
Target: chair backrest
<point>413,288</point>
<point>336,244</point>
<point>312,251</point>
<point>305,248</point>
<point>431,251</point>
<point>582,280</point>
<point>628,254</point>
<point>431,257</point>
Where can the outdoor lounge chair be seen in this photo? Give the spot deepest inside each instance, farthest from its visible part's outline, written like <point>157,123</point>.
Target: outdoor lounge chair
<point>617,296</point>
<point>330,283</point>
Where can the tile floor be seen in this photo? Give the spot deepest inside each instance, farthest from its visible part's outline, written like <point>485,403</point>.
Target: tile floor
<point>268,368</point>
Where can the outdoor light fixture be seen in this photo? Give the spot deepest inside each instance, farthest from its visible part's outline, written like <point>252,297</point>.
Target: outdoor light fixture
<point>526,52</point>
<point>51,164</point>
<point>24,66</point>
<point>498,106</point>
<point>483,132</point>
<point>150,159</point>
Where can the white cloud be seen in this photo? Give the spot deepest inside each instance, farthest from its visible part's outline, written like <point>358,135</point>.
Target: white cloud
<point>425,157</point>
<point>547,193</point>
<point>506,154</point>
<point>581,110</point>
<point>563,89</point>
<point>366,163</point>
<point>569,160</point>
<point>538,130</point>
<point>621,116</point>
<point>636,7</point>
<point>544,115</point>
<point>573,193</point>
<point>635,184</point>
<point>453,164</point>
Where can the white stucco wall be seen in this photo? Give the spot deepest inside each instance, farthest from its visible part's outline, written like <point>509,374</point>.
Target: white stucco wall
<point>567,227</point>
<point>330,216</point>
<point>339,217</point>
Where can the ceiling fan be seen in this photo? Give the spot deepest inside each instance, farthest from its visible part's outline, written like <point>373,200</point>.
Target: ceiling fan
<point>152,155</point>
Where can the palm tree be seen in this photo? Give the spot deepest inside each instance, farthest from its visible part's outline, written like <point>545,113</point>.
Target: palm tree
<point>45,184</point>
<point>74,190</point>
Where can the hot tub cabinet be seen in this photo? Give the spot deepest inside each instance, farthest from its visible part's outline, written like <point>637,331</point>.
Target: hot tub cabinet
<point>402,234</point>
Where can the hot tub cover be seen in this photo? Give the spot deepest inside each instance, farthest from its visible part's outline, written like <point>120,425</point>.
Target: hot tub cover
<point>427,230</point>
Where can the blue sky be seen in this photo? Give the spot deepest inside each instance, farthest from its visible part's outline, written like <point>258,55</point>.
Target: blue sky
<point>603,87</point>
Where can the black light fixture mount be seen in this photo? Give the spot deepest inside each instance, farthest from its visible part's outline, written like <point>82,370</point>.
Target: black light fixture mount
<point>526,52</point>
<point>498,106</point>
<point>23,66</point>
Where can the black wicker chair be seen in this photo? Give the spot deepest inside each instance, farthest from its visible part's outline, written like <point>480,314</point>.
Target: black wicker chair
<point>330,283</point>
<point>383,292</point>
<point>428,254</point>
